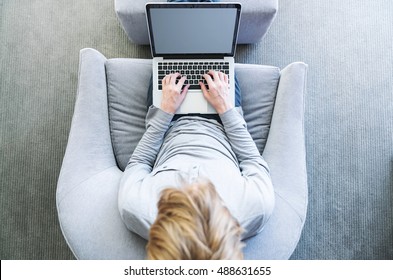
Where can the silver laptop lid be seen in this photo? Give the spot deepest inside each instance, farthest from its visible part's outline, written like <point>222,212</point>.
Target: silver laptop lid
<point>193,30</point>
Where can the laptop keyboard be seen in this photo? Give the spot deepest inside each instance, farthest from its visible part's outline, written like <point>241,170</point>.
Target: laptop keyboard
<point>192,70</point>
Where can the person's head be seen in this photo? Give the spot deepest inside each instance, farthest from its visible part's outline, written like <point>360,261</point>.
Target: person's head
<point>193,224</point>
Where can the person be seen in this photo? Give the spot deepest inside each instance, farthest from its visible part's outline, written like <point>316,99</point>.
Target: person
<point>195,184</point>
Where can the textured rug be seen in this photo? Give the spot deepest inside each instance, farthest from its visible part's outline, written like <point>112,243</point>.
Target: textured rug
<point>349,116</point>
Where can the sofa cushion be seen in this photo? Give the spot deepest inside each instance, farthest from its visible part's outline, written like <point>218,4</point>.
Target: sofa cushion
<point>128,81</point>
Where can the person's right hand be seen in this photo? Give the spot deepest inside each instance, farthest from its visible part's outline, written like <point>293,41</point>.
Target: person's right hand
<point>218,93</point>
<point>172,93</point>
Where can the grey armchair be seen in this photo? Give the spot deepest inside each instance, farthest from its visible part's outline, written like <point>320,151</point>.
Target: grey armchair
<point>108,122</point>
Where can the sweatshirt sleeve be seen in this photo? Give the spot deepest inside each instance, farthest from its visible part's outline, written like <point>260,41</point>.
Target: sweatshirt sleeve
<point>241,142</point>
<point>139,167</point>
<point>253,167</point>
<point>157,123</point>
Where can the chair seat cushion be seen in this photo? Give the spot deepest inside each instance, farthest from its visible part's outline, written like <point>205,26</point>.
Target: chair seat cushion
<point>128,81</point>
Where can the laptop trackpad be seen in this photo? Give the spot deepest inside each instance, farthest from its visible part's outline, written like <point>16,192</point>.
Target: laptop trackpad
<point>194,103</point>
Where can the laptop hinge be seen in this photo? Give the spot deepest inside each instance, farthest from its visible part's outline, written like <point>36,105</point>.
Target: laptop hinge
<point>195,56</point>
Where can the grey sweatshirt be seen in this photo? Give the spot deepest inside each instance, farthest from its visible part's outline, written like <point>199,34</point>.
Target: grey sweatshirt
<point>174,153</point>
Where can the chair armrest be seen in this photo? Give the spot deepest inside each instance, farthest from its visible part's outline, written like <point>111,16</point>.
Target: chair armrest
<point>87,190</point>
<point>285,147</point>
<point>89,149</point>
<point>286,156</point>
<point>91,222</point>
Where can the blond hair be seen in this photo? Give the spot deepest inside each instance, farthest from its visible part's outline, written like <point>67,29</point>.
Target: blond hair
<point>193,224</point>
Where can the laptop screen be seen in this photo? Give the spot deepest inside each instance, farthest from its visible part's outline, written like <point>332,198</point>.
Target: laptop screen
<point>193,29</point>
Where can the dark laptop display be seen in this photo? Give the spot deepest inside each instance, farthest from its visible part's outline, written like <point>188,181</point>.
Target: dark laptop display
<point>203,31</point>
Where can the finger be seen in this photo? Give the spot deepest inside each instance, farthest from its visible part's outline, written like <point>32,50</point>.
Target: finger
<point>203,88</point>
<point>216,77</point>
<point>208,78</point>
<point>180,83</point>
<point>165,80</point>
<point>185,90</point>
<point>222,76</point>
<point>173,78</point>
<point>226,80</point>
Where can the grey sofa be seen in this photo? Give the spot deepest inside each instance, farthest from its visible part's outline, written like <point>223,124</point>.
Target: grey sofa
<point>108,122</point>
<point>256,19</point>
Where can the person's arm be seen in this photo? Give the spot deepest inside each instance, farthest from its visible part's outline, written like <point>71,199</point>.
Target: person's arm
<point>253,167</point>
<point>241,141</point>
<point>147,149</point>
<point>142,160</point>
<point>133,198</point>
<point>235,127</point>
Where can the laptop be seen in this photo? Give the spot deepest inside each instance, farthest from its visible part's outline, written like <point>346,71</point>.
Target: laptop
<point>192,38</point>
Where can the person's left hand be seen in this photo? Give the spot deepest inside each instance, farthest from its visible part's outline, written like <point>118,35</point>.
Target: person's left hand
<point>218,93</point>
<point>172,93</point>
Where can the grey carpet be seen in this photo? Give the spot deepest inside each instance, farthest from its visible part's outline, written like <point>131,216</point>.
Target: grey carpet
<point>349,116</point>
